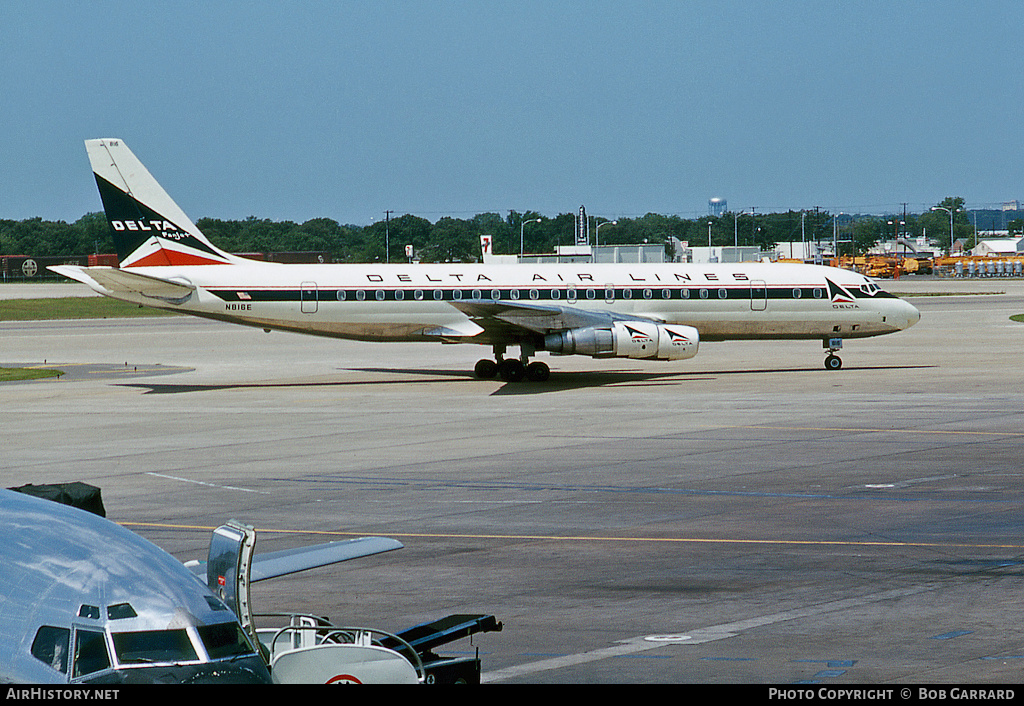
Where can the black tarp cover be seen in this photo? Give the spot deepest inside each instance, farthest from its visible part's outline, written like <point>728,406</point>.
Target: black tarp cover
<point>80,495</point>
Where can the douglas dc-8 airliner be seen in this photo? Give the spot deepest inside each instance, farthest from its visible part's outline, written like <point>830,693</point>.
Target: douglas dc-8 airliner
<point>640,311</point>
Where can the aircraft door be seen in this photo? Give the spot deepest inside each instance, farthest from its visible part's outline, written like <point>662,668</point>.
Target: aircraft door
<point>758,295</point>
<point>308,296</point>
<point>227,569</point>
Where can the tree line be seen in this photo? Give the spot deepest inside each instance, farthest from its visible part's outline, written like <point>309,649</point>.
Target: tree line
<point>458,240</point>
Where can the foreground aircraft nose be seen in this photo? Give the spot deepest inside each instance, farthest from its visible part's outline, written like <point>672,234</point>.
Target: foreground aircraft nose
<point>906,315</point>
<point>245,670</point>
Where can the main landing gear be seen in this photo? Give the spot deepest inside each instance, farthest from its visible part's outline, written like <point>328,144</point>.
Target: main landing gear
<point>512,369</point>
<point>832,361</point>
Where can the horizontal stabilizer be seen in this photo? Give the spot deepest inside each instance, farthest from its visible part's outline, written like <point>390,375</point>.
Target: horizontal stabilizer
<point>122,282</point>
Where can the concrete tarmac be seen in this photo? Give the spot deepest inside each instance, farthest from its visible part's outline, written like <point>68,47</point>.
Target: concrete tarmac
<point>742,517</point>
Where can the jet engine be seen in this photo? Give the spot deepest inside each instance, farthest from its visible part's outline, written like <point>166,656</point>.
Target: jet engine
<point>627,339</point>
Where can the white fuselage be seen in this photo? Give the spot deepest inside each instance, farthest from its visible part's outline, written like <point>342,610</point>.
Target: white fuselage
<point>411,302</point>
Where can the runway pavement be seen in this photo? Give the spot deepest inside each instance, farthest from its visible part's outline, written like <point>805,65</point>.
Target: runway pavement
<point>745,516</point>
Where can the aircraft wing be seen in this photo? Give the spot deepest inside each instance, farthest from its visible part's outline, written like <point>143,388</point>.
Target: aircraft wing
<point>290,561</point>
<point>510,317</point>
<point>113,282</point>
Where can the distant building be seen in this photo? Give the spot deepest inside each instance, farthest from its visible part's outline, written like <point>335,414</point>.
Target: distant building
<point>805,251</point>
<point>1000,247</point>
<point>639,253</point>
<point>959,248</point>
<point>724,254</point>
<point>907,247</point>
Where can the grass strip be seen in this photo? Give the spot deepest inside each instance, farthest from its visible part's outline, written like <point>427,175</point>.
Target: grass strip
<point>14,374</point>
<point>73,308</point>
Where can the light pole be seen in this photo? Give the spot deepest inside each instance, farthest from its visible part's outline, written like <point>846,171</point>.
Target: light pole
<point>597,231</point>
<point>835,234</point>
<point>897,224</point>
<point>803,238</point>
<point>835,237</point>
<point>521,227</point>
<point>951,211</point>
<point>736,224</point>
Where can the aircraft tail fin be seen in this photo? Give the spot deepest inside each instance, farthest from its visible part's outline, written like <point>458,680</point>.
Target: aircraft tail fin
<point>149,229</point>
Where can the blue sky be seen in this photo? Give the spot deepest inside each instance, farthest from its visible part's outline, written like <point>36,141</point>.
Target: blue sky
<point>299,110</point>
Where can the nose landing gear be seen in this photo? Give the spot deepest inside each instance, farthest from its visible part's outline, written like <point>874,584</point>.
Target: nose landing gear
<point>832,361</point>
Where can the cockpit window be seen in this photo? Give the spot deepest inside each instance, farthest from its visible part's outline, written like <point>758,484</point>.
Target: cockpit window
<point>215,603</point>
<point>224,640</point>
<point>153,646</point>
<point>50,646</point>
<point>90,653</point>
<point>120,610</point>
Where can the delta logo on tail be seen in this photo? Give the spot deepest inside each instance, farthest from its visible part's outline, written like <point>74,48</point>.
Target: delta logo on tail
<point>145,238</point>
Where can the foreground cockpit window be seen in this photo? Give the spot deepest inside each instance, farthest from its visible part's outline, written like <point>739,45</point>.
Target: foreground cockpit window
<point>153,646</point>
<point>51,647</point>
<point>224,640</point>
<point>90,653</point>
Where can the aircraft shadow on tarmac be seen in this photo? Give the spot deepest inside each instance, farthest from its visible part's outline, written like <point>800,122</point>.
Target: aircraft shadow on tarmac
<point>558,382</point>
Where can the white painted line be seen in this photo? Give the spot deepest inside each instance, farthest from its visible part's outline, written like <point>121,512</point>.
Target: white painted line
<point>622,648</point>
<point>209,485</point>
<point>668,638</point>
<point>696,637</point>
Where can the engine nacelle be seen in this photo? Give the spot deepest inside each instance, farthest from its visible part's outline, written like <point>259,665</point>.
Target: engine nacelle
<point>627,339</point>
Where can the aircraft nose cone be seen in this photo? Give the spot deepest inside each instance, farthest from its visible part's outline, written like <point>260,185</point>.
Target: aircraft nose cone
<point>911,313</point>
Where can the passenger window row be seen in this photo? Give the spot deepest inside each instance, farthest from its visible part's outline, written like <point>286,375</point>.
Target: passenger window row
<point>571,295</point>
